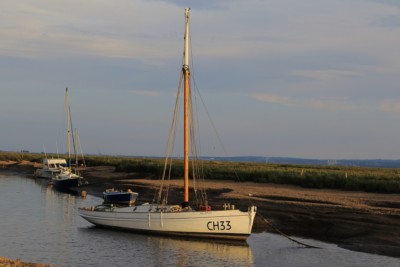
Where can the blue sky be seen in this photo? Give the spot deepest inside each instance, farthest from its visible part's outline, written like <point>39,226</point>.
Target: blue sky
<point>297,78</point>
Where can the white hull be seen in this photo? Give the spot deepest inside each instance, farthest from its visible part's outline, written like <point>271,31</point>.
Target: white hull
<point>221,224</point>
<point>46,173</point>
<point>50,168</point>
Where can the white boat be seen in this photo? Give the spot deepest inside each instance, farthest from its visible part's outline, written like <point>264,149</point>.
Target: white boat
<point>183,219</point>
<point>68,177</point>
<point>50,168</point>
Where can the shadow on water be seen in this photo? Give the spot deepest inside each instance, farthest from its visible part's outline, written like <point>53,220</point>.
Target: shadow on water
<point>47,183</point>
<point>65,190</point>
<point>104,230</point>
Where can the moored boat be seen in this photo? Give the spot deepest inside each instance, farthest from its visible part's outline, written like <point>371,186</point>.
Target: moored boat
<point>186,219</point>
<point>66,179</point>
<point>173,220</point>
<point>68,176</point>
<point>112,196</point>
<point>50,168</point>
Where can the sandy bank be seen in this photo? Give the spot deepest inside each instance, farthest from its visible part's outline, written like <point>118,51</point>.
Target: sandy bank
<point>18,263</point>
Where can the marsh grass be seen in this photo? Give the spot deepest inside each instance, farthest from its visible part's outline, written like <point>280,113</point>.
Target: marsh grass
<point>20,156</point>
<point>383,180</point>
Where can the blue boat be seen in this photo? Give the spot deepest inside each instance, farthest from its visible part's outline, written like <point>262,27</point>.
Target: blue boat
<point>112,196</point>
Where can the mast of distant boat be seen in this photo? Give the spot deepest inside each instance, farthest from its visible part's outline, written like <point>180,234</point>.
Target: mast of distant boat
<point>68,126</point>
<point>75,143</point>
<point>44,150</point>
<point>186,74</point>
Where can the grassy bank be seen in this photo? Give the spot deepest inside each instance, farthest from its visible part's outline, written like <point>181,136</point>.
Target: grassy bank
<point>19,156</point>
<point>382,180</point>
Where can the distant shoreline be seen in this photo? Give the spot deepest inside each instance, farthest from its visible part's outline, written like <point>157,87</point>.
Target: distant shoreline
<point>360,221</point>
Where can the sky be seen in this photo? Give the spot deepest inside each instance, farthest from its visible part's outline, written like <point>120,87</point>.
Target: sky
<point>289,78</point>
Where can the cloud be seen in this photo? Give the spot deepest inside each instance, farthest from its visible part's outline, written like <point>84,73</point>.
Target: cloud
<point>328,74</point>
<point>328,103</point>
<point>99,28</point>
<point>331,104</point>
<point>390,106</point>
<point>275,99</point>
<point>146,93</point>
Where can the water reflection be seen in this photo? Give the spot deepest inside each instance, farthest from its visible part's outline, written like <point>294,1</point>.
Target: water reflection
<point>206,253</point>
<point>165,251</point>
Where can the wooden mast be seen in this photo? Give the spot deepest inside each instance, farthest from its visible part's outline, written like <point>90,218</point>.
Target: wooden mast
<point>186,74</point>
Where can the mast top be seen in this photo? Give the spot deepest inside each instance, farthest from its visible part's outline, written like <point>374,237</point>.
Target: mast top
<point>186,54</point>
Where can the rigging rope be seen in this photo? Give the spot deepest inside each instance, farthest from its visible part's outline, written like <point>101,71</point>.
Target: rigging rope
<point>195,146</point>
<point>170,147</point>
<point>285,235</point>
<point>280,232</point>
<point>78,140</point>
<point>198,165</point>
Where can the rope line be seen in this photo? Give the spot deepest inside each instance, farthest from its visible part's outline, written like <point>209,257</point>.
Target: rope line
<point>285,235</point>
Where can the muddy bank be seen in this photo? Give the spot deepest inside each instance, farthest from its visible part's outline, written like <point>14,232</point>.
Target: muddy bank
<point>24,166</point>
<point>367,222</point>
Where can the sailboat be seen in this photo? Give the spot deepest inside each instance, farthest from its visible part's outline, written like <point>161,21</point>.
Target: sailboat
<point>179,219</point>
<point>68,177</point>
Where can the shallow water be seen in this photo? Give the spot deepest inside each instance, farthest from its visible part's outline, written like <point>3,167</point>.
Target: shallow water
<point>39,224</point>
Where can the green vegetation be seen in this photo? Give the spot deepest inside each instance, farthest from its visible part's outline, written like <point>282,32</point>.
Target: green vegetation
<point>19,156</point>
<point>127,164</point>
<point>383,180</point>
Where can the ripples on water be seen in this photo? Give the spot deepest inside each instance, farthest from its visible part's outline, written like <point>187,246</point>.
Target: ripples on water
<point>39,224</point>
